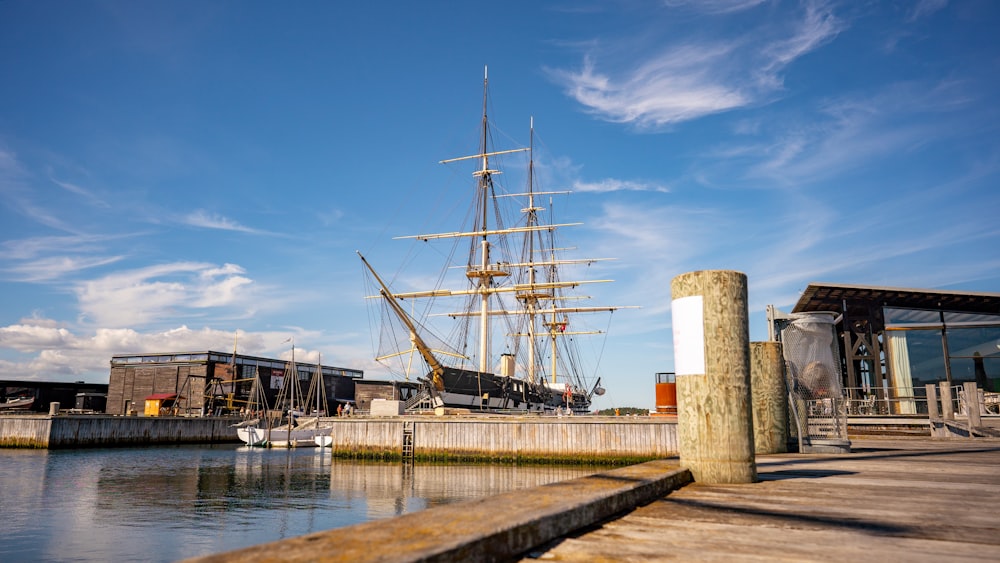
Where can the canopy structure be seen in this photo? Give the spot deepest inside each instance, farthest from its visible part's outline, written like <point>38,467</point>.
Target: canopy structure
<point>862,324</point>
<point>835,297</point>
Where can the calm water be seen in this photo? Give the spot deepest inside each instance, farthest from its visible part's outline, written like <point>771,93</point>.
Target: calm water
<point>169,503</point>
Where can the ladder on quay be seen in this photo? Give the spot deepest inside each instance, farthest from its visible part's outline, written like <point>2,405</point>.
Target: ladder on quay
<point>408,440</point>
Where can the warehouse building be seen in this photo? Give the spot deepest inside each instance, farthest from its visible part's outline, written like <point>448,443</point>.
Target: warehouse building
<point>210,383</point>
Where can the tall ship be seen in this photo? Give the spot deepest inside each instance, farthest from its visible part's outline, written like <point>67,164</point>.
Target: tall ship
<point>512,344</point>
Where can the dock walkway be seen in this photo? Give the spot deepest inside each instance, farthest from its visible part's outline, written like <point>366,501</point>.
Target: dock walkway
<point>889,500</point>
<point>918,499</point>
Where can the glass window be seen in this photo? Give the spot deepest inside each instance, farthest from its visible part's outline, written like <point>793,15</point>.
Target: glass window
<point>926,356</point>
<point>975,356</point>
<point>910,316</point>
<point>971,318</point>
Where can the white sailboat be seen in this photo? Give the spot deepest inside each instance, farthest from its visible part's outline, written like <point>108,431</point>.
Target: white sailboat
<point>297,429</point>
<point>518,309</point>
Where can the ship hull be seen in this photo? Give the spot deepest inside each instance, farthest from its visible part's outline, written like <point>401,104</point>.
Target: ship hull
<point>497,393</point>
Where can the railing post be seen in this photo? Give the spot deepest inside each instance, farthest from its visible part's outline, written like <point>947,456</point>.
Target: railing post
<point>972,405</point>
<point>932,403</point>
<point>947,405</point>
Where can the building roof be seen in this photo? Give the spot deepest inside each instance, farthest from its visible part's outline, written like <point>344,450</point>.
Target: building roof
<point>831,297</point>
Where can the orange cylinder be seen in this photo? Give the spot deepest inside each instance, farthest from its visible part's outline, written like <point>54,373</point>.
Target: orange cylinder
<point>666,394</point>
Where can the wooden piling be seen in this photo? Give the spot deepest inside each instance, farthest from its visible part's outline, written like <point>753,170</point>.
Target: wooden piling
<point>770,398</point>
<point>711,359</point>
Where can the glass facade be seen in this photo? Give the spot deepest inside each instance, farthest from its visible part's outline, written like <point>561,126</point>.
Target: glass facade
<point>922,343</point>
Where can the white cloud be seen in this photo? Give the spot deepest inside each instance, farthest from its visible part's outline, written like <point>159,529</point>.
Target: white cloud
<point>82,192</point>
<point>692,78</point>
<point>55,267</point>
<point>714,6</point>
<point>613,185</point>
<point>207,220</point>
<point>159,293</point>
<point>51,353</point>
<point>924,8</point>
<point>32,337</point>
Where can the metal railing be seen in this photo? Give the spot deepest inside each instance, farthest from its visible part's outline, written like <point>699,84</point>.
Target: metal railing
<point>882,401</point>
<point>875,401</point>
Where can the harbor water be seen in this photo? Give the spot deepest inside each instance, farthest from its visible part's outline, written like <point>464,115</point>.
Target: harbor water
<point>172,502</point>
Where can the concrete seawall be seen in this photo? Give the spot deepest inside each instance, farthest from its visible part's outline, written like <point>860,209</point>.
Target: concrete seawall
<point>588,439</point>
<point>616,440</point>
<point>81,431</point>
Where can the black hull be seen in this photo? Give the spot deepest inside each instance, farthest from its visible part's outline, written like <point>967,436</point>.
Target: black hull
<point>496,393</point>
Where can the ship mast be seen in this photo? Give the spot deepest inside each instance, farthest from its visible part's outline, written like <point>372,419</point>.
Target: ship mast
<point>425,351</point>
<point>485,277</point>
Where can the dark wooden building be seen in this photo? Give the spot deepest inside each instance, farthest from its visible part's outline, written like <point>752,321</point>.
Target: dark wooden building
<point>212,382</point>
<point>46,392</point>
<point>365,391</point>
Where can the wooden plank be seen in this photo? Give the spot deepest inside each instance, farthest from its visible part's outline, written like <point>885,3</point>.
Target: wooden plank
<point>906,500</point>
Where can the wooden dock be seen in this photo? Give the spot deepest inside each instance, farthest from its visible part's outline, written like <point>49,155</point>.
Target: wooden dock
<point>899,500</point>
<point>889,500</point>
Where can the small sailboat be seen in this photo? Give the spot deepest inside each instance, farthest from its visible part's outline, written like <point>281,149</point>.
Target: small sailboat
<point>514,346</point>
<point>297,430</point>
<point>320,408</point>
<point>255,428</point>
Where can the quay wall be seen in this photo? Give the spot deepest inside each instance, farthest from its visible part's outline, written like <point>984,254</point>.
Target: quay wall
<point>81,431</point>
<point>580,440</point>
<point>617,440</point>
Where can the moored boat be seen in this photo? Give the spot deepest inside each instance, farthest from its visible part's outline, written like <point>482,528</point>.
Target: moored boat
<point>17,403</point>
<point>297,430</point>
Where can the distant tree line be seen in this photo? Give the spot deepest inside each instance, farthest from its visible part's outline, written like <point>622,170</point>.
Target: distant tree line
<point>622,411</point>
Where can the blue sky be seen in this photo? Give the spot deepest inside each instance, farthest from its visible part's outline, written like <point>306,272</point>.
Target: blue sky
<point>174,172</point>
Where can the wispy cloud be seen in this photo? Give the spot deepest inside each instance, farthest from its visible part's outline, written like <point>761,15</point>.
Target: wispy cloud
<point>56,267</point>
<point>613,185</point>
<point>82,192</point>
<point>714,6</point>
<point>923,8</point>
<point>208,220</point>
<point>691,77</point>
<point>54,258</point>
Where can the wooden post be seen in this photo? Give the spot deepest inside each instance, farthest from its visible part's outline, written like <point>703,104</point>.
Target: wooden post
<point>947,405</point>
<point>711,359</point>
<point>932,403</point>
<point>972,405</point>
<point>770,398</point>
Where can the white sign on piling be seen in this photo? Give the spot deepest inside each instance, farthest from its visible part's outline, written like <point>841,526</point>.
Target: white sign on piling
<point>687,317</point>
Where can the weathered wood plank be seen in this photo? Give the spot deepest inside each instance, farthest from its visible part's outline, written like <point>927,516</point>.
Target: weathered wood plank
<point>907,500</point>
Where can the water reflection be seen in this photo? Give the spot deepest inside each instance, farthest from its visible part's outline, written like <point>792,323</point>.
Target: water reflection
<point>168,503</point>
